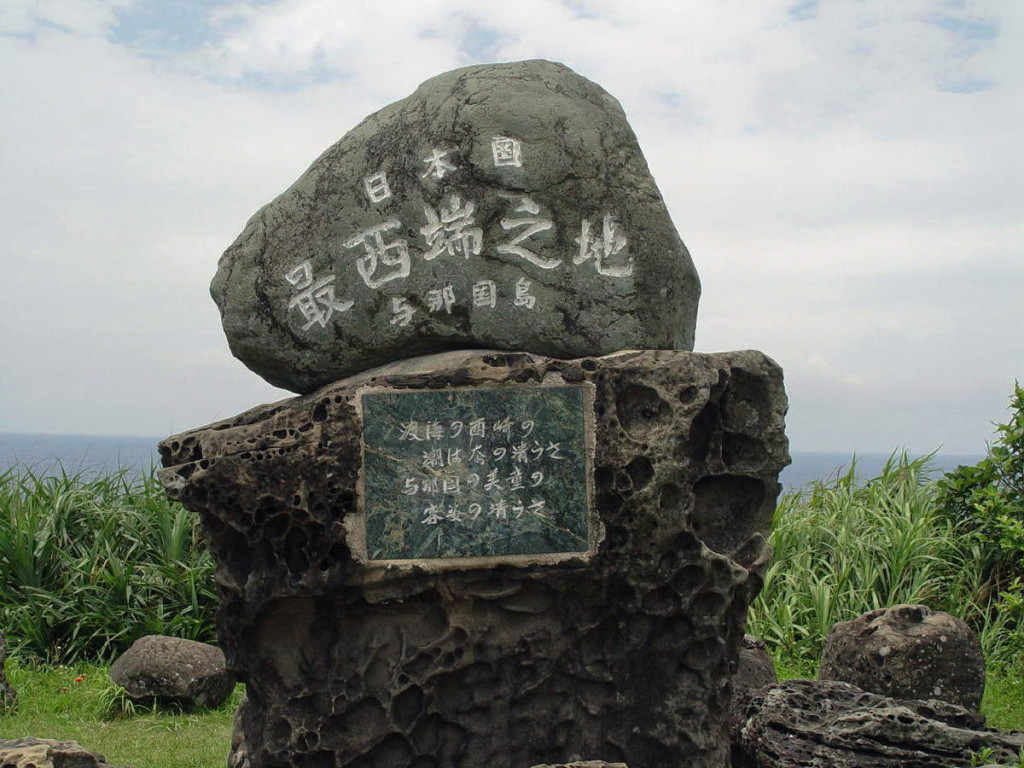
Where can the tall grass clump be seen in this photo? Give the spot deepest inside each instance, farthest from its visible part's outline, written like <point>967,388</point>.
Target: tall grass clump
<point>843,547</point>
<point>88,565</point>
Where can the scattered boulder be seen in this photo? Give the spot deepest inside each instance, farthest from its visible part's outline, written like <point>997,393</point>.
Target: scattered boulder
<point>816,723</point>
<point>30,752</point>
<point>755,667</point>
<point>502,206</point>
<point>907,651</point>
<point>175,672</point>
<point>8,696</point>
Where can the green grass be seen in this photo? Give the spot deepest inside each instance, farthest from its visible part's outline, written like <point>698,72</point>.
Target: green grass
<point>73,702</point>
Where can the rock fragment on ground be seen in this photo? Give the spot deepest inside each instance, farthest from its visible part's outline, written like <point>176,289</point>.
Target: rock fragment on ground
<point>815,723</point>
<point>501,206</point>
<point>909,652</point>
<point>29,752</point>
<point>173,672</point>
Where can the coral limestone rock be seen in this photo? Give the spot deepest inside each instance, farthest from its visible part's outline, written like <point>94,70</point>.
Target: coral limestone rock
<point>501,206</point>
<point>907,651</point>
<point>414,628</point>
<point>173,671</point>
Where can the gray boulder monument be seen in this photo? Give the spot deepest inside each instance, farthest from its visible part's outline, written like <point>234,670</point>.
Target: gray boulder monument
<point>173,672</point>
<point>505,206</point>
<point>510,520</point>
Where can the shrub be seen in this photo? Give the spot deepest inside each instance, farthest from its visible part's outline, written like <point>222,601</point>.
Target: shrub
<point>87,566</point>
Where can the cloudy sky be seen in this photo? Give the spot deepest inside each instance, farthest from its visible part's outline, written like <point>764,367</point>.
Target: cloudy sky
<point>847,175</point>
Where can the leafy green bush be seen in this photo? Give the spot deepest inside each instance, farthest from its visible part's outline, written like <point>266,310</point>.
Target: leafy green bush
<point>986,501</point>
<point>843,547</point>
<point>87,566</point>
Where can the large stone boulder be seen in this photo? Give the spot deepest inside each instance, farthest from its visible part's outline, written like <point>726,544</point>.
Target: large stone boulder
<point>909,652</point>
<point>172,671</point>
<point>8,696</point>
<point>809,724</point>
<point>504,206</point>
<point>755,667</point>
<point>362,645</point>
<point>29,752</point>
<point>585,764</point>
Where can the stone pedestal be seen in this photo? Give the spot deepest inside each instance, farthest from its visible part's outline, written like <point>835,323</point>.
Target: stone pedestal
<point>380,631</point>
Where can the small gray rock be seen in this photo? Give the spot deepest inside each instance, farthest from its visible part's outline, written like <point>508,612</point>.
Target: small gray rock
<point>29,752</point>
<point>755,667</point>
<point>171,671</point>
<point>504,206</point>
<point>907,651</point>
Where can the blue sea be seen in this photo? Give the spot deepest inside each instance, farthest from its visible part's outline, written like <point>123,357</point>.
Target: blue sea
<point>94,455</point>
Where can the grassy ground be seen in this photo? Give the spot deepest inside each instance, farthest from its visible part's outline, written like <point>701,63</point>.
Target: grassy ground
<point>79,703</point>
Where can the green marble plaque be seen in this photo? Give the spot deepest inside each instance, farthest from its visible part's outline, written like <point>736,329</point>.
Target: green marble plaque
<point>475,472</point>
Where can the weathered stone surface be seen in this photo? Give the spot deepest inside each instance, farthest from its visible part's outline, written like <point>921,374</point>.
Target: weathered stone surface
<point>173,671</point>
<point>828,723</point>
<point>8,696</point>
<point>909,652</point>
<point>472,216</point>
<point>621,652</point>
<point>755,667</point>
<point>585,764</point>
<point>29,752</point>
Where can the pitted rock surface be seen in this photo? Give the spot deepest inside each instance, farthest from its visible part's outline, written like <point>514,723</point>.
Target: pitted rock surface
<point>519,214</point>
<point>907,651</point>
<point>585,764</point>
<point>809,723</point>
<point>29,752</point>
<point>172,671</point>
<point>625,656</point>
<point>755,667</point>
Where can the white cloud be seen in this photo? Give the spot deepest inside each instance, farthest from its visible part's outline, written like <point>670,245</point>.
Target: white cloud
<point>850,212</point>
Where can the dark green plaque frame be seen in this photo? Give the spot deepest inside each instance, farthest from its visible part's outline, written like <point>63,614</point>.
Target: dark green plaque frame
<point>476,473</point>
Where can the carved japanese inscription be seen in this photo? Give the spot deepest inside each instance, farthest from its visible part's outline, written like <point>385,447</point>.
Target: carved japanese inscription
<point>461,473</point>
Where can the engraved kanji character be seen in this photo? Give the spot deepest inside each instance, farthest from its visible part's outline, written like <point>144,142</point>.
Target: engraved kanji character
<point>476,455</point>
<point>506,151</point>
<point>523,297</point>
<point>519,454</point>
<point>437,165</point>
<point>410,431</point>
<point>401,311</point>
<point>315,301</point>
<point>516,479</point>
<point>493,483</point>
<point>431,515</point>
<point>454,513</point>
<point>441,298</point>
<point>433,430</point>
<point>452,230</point>
<point>429,485</point>
<point>376,186</point>
<point>450,484</point>
<point>601,248</point>
<point>485,294</point>
<point>376,253</point>
<point>478,428</point>
<point>433,459</point>
<point>503,425</point>
<point>531,225</point>
<point>499,509</point>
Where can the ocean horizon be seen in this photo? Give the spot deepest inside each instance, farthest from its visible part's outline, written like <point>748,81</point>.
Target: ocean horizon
<point>92,455</point>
